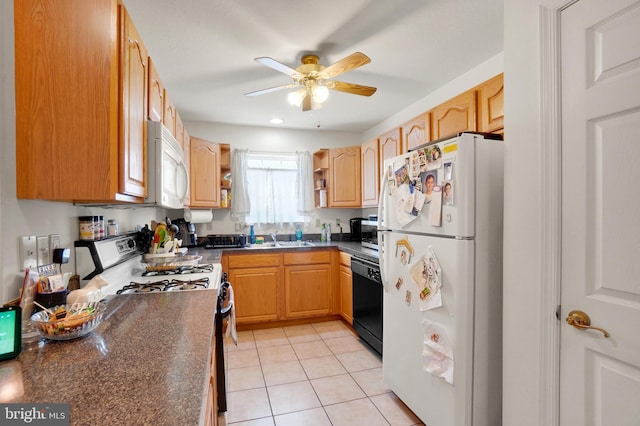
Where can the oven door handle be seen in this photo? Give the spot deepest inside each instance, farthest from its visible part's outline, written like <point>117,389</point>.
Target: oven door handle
<point>227,310</point>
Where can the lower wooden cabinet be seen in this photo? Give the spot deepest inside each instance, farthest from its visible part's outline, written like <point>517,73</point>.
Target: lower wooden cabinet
<point>346,288</point>
<point>211,402</point>
<point>281,286</point>
<point>307,290</point>
<point>256,293</point>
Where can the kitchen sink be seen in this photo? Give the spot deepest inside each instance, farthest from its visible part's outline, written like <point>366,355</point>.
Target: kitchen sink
<point>295,244</point>
<point>281,244</point>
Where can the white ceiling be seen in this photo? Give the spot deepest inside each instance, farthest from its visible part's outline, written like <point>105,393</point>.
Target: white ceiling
<point>204,51</point>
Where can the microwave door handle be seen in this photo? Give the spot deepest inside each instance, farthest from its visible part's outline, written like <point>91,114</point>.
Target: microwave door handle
<point>183,167</point>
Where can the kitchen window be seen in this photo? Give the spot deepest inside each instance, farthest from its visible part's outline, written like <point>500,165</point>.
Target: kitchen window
<point>277,184</point>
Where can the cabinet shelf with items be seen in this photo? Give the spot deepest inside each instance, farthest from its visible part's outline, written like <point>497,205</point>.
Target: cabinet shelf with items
<point>225,175</point>
<point>320,174</point>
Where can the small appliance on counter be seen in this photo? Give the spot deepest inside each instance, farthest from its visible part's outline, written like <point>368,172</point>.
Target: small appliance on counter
<point>355,228</point>
<point>187,233</point>
<point>226,241</point>
<point>369,234</point>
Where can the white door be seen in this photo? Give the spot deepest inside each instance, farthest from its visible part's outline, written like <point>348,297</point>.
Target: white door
<point>599,376</point>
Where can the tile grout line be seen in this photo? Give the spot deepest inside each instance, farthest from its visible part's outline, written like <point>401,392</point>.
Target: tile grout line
<point>308,379</point>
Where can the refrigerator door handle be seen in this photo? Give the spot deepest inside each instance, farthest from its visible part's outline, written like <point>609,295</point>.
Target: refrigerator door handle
<point>381,251</point>
<point>381,199</point>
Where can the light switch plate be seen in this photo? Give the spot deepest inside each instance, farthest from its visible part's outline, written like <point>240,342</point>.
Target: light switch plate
<point>28,252</point>
<point>43,250</point>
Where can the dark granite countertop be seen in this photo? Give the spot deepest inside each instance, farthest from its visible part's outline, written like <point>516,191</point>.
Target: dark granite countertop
<point>354,248</point>
<point>146,363</point>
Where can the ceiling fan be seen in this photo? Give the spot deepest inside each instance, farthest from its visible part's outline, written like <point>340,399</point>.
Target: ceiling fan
<point>313,80</point>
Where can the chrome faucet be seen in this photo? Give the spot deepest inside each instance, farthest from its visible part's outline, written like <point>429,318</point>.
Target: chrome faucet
<point>274,236</point>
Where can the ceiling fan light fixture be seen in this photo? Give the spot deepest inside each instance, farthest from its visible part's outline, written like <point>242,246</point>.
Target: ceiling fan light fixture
<point>296,97</point>
<point>320,93</point>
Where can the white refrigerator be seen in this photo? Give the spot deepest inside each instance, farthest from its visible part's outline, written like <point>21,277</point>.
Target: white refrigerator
<point>440,238</point>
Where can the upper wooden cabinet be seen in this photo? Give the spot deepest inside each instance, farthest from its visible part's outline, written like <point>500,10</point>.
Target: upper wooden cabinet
<point>169,114</point>
<point>320,176</point>
<point>179,131</point>
<point>456,115</point>
<point>204,173</point>
<point>390,144</point>
<point>225,174</point>
<point>370,161</point>
<point>344,177</point>
<point>491,105</point>
<point>416,132</point>
<point>135,80</point>
<point>80,118</point>
<point>156,94</point>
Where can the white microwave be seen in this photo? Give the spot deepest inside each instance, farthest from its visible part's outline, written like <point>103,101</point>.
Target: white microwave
<point>167,173</point>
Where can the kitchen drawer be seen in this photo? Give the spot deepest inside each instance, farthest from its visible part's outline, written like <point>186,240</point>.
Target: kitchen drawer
<point>307,257</point>
<point>345,259</point>
<point>254,260</point>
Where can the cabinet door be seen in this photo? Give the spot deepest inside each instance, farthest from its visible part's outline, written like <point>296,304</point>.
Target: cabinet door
<point>169,114</point>
<point>307,290</point>
<point>205,173</point>
<point>456,115</point>
<point>370,160</point>
<point>133,142</point>
<point>390,144</point>
<point>156,94</point>
<point>346,293</point>
<point>179,131</point>
<point>344,177</point>
<point>67,100</point>
<point>491,105</point>
<point>416,132</point>
<point>256,294</point>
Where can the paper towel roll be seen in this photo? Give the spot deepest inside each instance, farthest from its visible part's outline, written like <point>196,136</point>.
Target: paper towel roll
<point>198,216</point>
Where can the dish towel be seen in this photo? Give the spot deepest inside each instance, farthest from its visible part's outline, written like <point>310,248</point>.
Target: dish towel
<point>231,319</point>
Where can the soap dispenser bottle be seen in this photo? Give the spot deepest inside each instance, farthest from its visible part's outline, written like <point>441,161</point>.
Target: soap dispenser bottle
<point>252,235</point>
<point>323,233</point>
<point>298,233</point>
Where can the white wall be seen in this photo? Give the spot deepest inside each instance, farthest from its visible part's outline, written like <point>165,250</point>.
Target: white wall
<point>273,139</point>
<point>522,229</point>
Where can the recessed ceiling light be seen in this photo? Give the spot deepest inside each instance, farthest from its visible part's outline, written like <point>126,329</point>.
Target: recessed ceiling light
<point>276,120</point>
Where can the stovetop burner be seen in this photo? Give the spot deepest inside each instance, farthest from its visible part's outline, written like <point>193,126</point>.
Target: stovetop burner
<point>183,270</point>
<point>165,285</point>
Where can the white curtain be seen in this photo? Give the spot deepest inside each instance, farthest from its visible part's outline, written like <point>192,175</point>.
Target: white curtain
<point>304,184</point>
<point>240,204</point>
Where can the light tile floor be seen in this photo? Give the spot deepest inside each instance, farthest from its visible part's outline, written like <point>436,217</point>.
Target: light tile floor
<point>307,375</point>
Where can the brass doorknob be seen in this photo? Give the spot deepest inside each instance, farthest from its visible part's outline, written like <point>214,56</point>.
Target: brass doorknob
<point>581,320</point>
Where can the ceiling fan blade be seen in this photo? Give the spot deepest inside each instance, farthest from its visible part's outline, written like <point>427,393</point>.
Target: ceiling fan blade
<point>355,89</point>
<point>349,63</point>
<point>271,89</point>
<point>278,66</point>
<point>306,103</point>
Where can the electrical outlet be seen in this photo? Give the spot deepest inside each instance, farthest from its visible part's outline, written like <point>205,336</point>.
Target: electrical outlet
<point>28,252</point>
<point>338,221</point>
<point>43,250</point>
<point>54,243</point>
<point>318,222</point>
